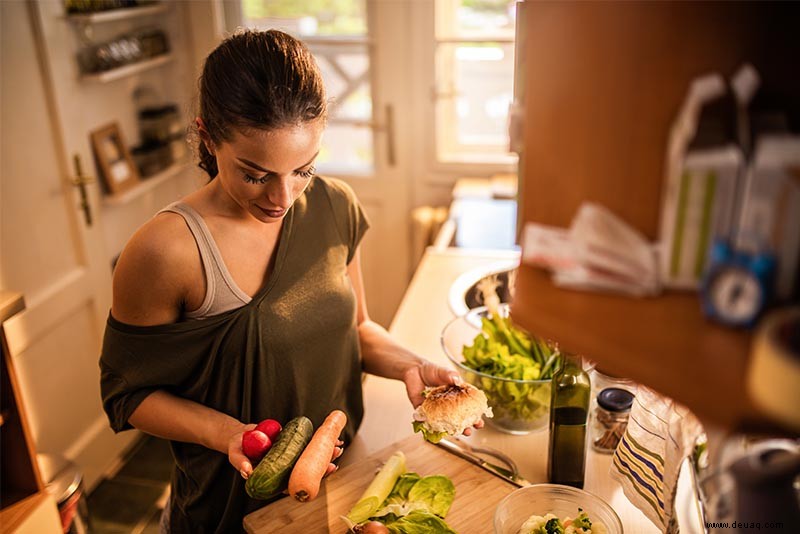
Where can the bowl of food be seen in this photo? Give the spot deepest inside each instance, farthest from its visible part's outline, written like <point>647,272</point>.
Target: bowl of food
<point>512,368</point>
<point>529,510</point>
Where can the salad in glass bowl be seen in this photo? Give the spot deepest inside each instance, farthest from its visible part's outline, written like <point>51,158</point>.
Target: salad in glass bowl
<point>553,508</point>
<point>512,368</point>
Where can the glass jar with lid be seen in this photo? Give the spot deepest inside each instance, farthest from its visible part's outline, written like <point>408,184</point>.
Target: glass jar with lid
<point>610,418</point>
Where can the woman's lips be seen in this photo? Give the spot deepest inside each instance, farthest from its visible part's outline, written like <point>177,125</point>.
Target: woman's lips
<point>275,214</point>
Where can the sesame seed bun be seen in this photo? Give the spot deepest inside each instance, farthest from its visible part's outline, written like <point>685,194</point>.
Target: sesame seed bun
<point>452,408</point>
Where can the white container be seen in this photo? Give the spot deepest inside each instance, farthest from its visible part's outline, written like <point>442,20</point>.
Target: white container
<point>770,216</point>
<point>705,202</point>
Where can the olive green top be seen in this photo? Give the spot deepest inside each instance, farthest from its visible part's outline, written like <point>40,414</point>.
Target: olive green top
<point>292,350</point>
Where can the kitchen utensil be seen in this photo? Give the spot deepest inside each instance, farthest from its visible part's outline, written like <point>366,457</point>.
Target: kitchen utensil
<point>465,451</point>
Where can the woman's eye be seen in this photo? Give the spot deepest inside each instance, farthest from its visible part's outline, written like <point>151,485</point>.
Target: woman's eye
<point>309,173</point>
<point>253,180</point>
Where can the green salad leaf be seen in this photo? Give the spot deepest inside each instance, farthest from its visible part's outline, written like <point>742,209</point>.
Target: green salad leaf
<point>504,351</point>
<point>436,491</point>
<point>402,487</point>
<point>433,437</point>
<point>414,505</point>
<point>419,522</point>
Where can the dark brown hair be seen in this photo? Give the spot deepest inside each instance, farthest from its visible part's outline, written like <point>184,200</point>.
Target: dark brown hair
<point>257,79</point>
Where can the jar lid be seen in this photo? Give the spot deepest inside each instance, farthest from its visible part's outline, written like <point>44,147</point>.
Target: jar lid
<point>615,399</point>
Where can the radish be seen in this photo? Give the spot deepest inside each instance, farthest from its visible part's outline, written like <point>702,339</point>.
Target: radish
<point>255,445</point>
<point>270,427</point>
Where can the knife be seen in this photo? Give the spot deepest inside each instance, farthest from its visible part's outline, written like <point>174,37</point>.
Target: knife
<point>462,450</point>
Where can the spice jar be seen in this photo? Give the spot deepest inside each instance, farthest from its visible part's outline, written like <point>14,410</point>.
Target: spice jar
<point>610,418</point>
<point>159,125</point>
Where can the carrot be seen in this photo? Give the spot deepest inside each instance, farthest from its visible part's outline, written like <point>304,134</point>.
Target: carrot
<point>313,463</point>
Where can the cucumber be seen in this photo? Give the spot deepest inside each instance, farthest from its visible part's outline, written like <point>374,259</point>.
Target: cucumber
<point>271,475</point>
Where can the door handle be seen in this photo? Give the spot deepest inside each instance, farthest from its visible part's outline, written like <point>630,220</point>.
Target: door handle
<point>80,181</point>
<point>390,148</point>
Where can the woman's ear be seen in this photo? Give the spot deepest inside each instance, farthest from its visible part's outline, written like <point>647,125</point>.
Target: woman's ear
<point>204,136</point>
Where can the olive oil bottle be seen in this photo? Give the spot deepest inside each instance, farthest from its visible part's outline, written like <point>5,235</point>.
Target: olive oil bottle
<point>569,407</point>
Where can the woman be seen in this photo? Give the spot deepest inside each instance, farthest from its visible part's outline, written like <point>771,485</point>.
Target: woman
<point>244,300</point>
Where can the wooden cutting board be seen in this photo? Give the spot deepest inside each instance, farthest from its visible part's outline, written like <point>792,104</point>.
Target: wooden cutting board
<point>477,493</point>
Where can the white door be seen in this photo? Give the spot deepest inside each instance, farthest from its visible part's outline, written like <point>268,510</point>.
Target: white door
<point>50,253</point>
<point>366,76</point>
<point>385,192</point>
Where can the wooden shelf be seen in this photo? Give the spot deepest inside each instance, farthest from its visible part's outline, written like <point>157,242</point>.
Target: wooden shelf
<point>146,184</point>
<point>663,342</point>
<point>117,14</point>
<point>128,70</point>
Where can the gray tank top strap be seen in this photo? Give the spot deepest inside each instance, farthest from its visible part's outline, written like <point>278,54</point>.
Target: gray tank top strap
<point>222,293</point>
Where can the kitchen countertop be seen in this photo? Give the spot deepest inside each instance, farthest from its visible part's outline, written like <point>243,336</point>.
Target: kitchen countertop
<point>418,324</point>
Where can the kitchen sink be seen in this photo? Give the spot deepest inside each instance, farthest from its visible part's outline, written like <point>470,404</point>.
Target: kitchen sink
<point>466,291</point>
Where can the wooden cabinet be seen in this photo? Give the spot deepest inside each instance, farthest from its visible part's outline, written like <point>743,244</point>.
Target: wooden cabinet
<point>601,84</point>
<point>22,492</point>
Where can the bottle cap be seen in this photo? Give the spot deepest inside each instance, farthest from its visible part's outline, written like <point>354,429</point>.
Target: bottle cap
<point>615,399</point>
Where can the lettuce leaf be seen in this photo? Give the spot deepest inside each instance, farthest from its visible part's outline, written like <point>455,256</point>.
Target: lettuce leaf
<point>401,488</point>
<point>433,437</point>
<point>419,522</point>
<point>436,492</point>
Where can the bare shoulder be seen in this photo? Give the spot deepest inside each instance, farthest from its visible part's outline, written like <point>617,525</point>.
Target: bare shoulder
<point>155,272</point>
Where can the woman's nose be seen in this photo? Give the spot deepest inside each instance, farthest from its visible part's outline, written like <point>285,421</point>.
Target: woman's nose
<point>281,194</point>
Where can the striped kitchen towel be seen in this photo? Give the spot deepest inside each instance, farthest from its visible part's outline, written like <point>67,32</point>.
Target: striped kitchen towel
<point>659,436</point>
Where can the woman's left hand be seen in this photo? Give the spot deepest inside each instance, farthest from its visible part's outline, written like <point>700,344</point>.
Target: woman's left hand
<point>428,374</point>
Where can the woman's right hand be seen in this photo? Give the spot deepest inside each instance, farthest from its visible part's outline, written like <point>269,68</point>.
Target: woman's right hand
<point>236,455</point>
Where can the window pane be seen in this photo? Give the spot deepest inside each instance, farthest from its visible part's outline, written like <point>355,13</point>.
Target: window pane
<point>346,149</point>
<point>336,33</point>
<point>477,91</point>
<point>347,81</point>
<point>475,18</point>
<point>307,17</point>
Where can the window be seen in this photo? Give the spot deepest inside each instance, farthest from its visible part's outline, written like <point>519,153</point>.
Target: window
<point>474,65</point>
<point>336,33</point>
<point>460,51</point>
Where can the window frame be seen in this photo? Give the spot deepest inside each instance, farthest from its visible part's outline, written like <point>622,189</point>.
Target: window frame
<point>424,44</point>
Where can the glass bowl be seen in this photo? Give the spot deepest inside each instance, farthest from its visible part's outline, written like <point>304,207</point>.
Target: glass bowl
<point>519,406</point>
<point>561,501</point>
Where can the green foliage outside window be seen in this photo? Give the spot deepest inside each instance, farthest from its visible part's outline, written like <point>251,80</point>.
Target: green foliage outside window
<point>334,17</point>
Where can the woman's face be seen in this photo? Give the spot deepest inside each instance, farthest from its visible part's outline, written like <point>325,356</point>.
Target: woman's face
<point>265,171</point>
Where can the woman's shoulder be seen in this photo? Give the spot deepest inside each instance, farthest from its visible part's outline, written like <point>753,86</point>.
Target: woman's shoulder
<point>336,193</point>
<point>164,238</point>
<point>335,189</point>
<point>155,269</point>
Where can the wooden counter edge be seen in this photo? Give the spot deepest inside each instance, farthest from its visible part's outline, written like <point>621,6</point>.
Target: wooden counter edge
<point>10,304</point>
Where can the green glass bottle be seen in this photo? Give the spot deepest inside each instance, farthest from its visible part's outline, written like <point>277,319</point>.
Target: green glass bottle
<point>569,407</point>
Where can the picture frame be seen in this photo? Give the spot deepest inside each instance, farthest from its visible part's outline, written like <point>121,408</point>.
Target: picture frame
<point>114,161</point>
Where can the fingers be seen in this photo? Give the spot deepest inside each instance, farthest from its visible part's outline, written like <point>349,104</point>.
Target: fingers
<point>331,469</point>
<point>337,451</point>
<point>434,375</point>
<point>414,386</point>
<point>236,456</point>
<point>243,465</point>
